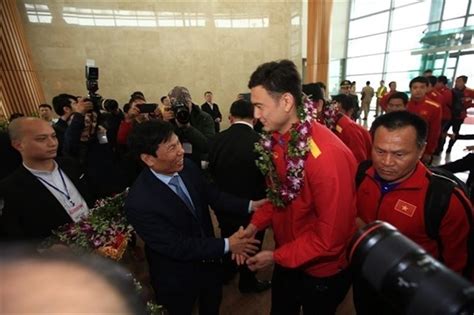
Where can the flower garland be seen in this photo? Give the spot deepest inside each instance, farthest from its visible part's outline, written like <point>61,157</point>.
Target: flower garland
<point>282,193</point>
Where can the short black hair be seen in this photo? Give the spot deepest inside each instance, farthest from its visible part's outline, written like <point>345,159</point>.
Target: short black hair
<point>313,91</point>
<point>432,80</point>
<point>345,100</point>
<point>133,98</point>
<point>15,116</point>
<point>400,119</point>
<point>207,92</point>
<point>62,100</point>
<point>400,95</point>
<point>391,82</point>
<point>443,79</point>
<point>367,83</point>
<point>162,98</point>
<point>463,78</point>
<point>419,79</point>
<point>147,136</point>
<point>428,71</point>
<point>242,109</point>
<point>278,77</point>
<point>126,107</point>
<point>45,105</point>
<point>137,93</point>
<point>321,85</point>
<point>110,104</point>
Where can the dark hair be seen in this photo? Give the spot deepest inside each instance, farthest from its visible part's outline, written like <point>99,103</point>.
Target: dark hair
<point>137,93</point>
<point>117,277</point>
<point>207,92</point>
<point>162,98</point>
<point>62,100</point>
<point>400,95</point>
<point>463,78</point>
<point>383,81</point>
<point>241,109</point>
<point>313,91</point>
<point>45,105</point>
<point>321,85</point>
<point>419,80</point>
<point>428,71</point>
<point>278,77</point>
<point>400,119</point>
<point>133,98</point>
<point>432,80</point>
<point>367,83</point>
<point>15,116</point>
<point>443,79</point>
<point>345,100</point>
<point>126,107</point>
<point>110,105</point>
<point>147,136</point>
<point>391,82</point>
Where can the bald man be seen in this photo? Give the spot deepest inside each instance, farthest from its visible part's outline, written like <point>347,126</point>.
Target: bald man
<point>42,194</point>
<point>59,284</point>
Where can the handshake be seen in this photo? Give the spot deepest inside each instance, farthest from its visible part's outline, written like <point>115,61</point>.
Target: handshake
<point>244,246</point>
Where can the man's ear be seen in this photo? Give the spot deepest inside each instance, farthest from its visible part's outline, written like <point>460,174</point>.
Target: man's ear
<point>17,145</point>
<point>288,101</point>
<point>148,159</point>
<point>422,150</point>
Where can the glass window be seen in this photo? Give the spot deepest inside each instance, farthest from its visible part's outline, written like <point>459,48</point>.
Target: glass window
<point>416,14</point>
<point>403,60</point>
<point>398,3</point>
<point>470,20</point>
<point>406,39</point>
<point>361,79</point>
<point>367,45</point>
<point>366,7</point>
<point>457,23</point>
<point>454,8</point>
<point>368,64</point>
<point>370,25</point>
<point>335,68</point>
<point>402,78</point>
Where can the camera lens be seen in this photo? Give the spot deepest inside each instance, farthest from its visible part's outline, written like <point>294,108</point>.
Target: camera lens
<point>404,274</point>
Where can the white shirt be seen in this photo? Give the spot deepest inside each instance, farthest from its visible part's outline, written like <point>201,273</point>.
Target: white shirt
<point>75,205</point>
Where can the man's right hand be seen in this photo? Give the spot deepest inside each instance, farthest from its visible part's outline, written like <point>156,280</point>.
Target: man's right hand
<point>168,113</point>
<point>82,106</point>
<point>240,243</point>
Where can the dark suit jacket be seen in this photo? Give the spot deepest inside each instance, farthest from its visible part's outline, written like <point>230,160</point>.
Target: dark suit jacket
<point>30,211</point>
<point>177,240</point>
<point>232,166</point>
<point>214,112</point>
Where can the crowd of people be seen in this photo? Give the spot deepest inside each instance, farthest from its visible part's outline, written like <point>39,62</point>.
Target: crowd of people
<point>314,175</point>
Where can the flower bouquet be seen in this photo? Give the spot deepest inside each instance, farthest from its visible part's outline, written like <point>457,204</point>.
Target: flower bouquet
<point>105,230</point>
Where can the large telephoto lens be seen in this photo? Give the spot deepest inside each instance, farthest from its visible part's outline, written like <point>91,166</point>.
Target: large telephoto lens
<point>404,274</point>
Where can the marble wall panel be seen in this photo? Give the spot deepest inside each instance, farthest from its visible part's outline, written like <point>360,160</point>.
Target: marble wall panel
<point>153,45</point>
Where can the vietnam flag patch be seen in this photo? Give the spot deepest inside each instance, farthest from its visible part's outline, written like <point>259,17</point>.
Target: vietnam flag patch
<point>405,207</point>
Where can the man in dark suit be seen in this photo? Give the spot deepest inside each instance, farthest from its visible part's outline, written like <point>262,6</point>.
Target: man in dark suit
<point>41,194</point>
<point>168,206</point>
<point>212,109</point>
<point>232,166</point>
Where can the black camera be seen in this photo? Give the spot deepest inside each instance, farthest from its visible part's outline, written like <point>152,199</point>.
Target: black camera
<point>181,112</point>
<point>405,275</point>
<point>92,85</point>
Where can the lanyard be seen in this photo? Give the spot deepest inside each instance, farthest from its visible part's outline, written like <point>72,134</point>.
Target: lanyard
<point>65,193</point>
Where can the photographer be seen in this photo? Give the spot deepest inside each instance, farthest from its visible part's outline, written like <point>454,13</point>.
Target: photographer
<point>86,140</point>
<point>113,117</point>
<point>193,126</point>
<point>132,116</point>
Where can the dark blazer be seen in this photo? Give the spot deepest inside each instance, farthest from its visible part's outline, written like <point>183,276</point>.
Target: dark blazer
<point>176,240</point>
<point>214,112</point>
<point>30,211</point>
<point>232,163</point>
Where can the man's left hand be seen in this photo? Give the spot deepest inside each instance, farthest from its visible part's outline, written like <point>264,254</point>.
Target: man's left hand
<point>261,260</point>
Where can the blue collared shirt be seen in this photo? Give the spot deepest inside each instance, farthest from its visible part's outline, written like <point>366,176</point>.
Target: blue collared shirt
<point>166,180</point>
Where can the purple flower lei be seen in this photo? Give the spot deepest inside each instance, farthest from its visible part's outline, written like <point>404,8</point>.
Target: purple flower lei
<point>282,193</point>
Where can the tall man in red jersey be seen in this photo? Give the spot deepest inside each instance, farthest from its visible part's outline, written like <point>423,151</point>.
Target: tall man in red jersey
<point>312,229</point>
<point>356,137</point>
<point>428,110</point>
<point>394,190</point>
